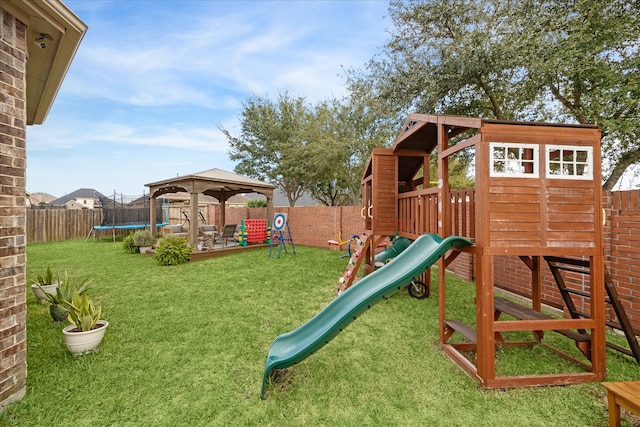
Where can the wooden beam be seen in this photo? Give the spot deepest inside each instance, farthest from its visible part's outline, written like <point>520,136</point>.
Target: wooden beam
<point>542,325</point>
<point>475,139</point>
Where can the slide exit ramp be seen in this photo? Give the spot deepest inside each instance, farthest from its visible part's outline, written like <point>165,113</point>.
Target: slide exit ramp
<point>295,346</point>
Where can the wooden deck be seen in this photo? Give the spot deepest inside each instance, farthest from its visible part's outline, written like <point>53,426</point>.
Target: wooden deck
<point>222,251</point>
<point>228,250</point>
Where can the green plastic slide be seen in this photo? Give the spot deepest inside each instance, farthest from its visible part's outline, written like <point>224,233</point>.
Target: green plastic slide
<point>295,346</point>
<point>398,246</point>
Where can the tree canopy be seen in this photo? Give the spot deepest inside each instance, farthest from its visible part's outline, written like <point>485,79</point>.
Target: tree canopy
<point>320,149</point>
<point>565,61</point>
<point>271,141</point>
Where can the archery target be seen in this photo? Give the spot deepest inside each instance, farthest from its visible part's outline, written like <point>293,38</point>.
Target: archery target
<point>279,221</point>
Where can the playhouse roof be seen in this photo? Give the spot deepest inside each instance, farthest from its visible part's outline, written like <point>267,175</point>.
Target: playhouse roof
<point>419,136</point>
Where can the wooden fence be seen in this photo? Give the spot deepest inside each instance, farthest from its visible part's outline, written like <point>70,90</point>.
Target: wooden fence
<point>53,225</point>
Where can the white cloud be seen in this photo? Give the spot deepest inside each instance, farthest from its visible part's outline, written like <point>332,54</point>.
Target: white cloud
<point>68,135</point>
<point>150,85</point>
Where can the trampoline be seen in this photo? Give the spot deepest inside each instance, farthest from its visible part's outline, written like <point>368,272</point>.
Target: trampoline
<point>125,216</point>
<point>132,226</point>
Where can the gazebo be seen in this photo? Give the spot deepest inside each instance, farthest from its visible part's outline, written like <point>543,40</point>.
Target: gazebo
<point>217,183</point>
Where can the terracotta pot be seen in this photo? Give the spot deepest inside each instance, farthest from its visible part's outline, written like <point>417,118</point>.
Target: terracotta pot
<point>82,342</point>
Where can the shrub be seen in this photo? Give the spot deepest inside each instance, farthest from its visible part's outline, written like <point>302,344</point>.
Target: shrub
<point>142,238</point>
<point>173,250</point>
<point>128,246</point>
<point>257,203</point>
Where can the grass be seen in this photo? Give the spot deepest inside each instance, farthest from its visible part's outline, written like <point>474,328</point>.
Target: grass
<point>186,345</point>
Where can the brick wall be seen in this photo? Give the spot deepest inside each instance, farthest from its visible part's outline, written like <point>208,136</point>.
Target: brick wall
<point>622,248</point>
<point>309,225</point>
<point>13,322</point>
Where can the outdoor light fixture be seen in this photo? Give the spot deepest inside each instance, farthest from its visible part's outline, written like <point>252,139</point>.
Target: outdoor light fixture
<point>43,40</point>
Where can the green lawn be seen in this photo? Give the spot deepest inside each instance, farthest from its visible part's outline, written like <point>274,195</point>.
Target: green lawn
<point>186,345</point>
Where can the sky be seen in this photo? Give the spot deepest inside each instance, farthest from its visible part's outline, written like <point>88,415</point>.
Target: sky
<point>153,81</point>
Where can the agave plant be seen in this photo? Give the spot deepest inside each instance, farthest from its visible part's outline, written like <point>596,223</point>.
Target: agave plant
<point>82,312</point>
<point>64,292</point>
<point>47,278</point>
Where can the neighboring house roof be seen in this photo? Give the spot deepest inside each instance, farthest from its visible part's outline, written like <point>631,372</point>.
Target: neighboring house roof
<point>239,200</point>
<point>72,204</point>
<point>41,198</point>
<point>54,33</point>
<point>280,199</point>
<point>81,193</point>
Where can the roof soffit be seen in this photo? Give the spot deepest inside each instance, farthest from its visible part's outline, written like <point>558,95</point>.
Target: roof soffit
<point>46,67</point>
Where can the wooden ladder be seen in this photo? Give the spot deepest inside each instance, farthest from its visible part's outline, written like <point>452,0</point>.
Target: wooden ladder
<point>357,256</point>
<point>557,264</point>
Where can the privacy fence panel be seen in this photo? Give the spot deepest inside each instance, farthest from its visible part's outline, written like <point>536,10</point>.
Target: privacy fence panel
<point>52,225</point>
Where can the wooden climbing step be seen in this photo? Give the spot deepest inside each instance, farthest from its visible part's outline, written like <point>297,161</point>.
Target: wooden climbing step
<point>357,256</point>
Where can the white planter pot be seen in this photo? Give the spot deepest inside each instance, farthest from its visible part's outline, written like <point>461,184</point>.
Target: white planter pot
<point>82,342</point>
<point>145,249</point>
<point>50,289</point>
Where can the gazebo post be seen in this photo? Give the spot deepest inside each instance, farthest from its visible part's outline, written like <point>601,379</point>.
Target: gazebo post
<point>152,216</point>
<point>223,208</point>
<point>193,229</point>
<point>269,208</point>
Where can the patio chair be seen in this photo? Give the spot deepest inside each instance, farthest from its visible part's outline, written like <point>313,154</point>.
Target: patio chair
<point>228,233</point>
<point>177,230</point>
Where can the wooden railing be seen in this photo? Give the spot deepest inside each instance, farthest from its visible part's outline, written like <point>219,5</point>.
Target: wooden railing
<point>463,213</point>
<point>418,213</point>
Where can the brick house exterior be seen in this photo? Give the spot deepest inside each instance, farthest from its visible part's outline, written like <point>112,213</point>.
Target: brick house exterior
<point>13,310</point>
<point>31,72</point>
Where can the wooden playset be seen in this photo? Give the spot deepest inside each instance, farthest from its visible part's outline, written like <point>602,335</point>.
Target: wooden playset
<point>537,198</point>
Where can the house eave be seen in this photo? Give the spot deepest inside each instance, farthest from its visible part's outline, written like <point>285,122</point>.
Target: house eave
<point>46,67</point>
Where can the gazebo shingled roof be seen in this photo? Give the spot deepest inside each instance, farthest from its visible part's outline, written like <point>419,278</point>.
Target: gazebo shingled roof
<point>217,183</point>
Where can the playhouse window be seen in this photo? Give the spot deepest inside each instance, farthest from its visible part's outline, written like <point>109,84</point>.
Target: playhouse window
<point>569,162</point>
<point>514,160</point>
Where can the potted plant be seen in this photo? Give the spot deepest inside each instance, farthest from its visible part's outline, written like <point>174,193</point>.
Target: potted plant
<point>86,331</point>
<point>64,292</point>
<point>45,283</point>
<point>143,240</point>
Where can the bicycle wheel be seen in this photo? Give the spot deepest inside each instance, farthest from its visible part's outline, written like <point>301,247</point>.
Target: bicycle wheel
<point>418,289</point>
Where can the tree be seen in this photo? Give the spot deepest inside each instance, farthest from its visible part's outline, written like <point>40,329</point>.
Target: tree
<point>321,149</point>
<point>550,60</point>
<point>587,59</point>
<point>271,143</point>
<point>257,203</point>
<point>341,136</point>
